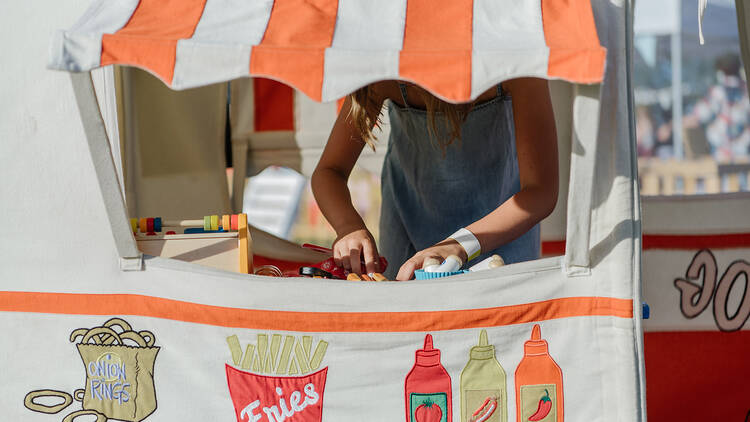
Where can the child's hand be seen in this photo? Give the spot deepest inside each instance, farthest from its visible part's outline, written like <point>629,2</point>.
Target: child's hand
<point>349,249</point>
<point>439,251</point>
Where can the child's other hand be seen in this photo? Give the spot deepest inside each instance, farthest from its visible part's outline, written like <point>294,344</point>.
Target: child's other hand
<point>439,251</point>
<point>350,249</point>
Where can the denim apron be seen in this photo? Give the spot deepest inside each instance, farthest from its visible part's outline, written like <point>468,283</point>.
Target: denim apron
<point>427,196</point>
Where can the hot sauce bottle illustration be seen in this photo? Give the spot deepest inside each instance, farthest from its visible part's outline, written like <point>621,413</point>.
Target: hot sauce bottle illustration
<point>539,383</point>
<point>428,387</point>
<point>484,395</point>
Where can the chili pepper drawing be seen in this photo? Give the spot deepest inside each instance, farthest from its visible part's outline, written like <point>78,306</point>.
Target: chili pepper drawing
<point>428,412</point>
<point>485,410</point>
<point>545,405</point>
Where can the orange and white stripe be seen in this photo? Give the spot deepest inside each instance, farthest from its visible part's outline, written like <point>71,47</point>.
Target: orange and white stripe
<point>352,322</point>
<point>327,48</point>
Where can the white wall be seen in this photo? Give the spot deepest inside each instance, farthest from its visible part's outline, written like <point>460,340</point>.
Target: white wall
<point>55,226</point>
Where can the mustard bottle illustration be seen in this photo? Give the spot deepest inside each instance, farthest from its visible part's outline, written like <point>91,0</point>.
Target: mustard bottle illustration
<point>484,395</point>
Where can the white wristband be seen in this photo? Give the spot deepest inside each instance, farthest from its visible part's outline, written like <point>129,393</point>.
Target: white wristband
<point>468,241</point>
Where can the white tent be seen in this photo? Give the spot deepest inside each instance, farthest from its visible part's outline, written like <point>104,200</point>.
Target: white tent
<point>210,343</point>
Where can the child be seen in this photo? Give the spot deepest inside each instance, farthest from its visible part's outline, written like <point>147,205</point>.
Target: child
<point>458,179</point>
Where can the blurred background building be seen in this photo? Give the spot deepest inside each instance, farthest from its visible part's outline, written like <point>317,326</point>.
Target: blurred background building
<point>692,110</point>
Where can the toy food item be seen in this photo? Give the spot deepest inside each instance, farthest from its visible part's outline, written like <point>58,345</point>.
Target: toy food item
<point>451,263</point>
<point>493,261</point>
<point>428,387</point>
<point>269,270</point>
<point>314,272</point>
<point>496,261</point>
<point>539,392</point>
<point>366,277</point>
<point>484,394</point>
<point>330,266</point>
<point>430,264</point>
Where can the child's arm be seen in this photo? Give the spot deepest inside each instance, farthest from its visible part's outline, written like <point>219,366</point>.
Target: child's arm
<point>536,148</point>
<point>329,185</point>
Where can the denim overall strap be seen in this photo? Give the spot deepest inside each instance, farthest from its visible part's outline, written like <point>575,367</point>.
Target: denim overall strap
<point>402,88</point>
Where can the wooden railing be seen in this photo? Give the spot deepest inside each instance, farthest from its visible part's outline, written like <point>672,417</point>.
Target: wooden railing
<point>690,177</point>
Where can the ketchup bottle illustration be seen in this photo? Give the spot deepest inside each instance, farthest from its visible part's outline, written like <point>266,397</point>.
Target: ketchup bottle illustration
<point>539,383</point>
<point>428,387</point>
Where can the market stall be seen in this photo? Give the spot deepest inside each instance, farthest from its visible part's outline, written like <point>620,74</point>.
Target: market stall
<point>175,340</point>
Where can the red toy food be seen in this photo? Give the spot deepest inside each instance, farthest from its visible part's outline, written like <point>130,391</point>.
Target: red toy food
<point>330,265</point>
<point>545,405</point>
<point>428,412</point>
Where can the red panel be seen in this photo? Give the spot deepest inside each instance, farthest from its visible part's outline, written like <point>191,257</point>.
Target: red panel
<point>692,242</point>
<point>274,105</point>
<point>553,247</point>
<point>671,241</point>
<point>698,376</point>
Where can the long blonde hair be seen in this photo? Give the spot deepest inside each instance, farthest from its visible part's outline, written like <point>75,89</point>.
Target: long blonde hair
<point>364,115</point>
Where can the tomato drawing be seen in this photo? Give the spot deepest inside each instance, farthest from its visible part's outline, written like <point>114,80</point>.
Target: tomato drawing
<point>545,405</point>
<point>428,412</point>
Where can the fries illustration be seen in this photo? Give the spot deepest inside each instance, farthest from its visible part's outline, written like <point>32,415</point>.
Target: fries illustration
<point>292,356</point>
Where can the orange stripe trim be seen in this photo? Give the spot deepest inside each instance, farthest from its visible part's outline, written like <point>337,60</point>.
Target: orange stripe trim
<point>293,46</point>
<point>149,39</point>
<point>570,33</point>
<point>437,47</point>
<point>129,304</point>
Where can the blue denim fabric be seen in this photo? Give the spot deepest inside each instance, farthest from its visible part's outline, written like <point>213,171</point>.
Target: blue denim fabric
<point>427,196</point>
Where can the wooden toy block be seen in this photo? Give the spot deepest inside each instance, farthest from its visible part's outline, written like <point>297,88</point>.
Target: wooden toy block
<point>229,250</point>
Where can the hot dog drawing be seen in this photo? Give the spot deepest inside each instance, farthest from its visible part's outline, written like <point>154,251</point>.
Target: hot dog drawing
<point>485,411</point>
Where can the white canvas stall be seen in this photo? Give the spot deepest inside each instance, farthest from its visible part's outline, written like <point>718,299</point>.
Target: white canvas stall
<point>588,303</point>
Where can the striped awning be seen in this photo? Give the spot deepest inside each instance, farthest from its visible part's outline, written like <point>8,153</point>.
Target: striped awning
<point>327,48</point>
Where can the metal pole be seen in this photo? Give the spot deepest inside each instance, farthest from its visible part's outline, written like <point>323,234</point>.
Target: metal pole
<point>676,39</point>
